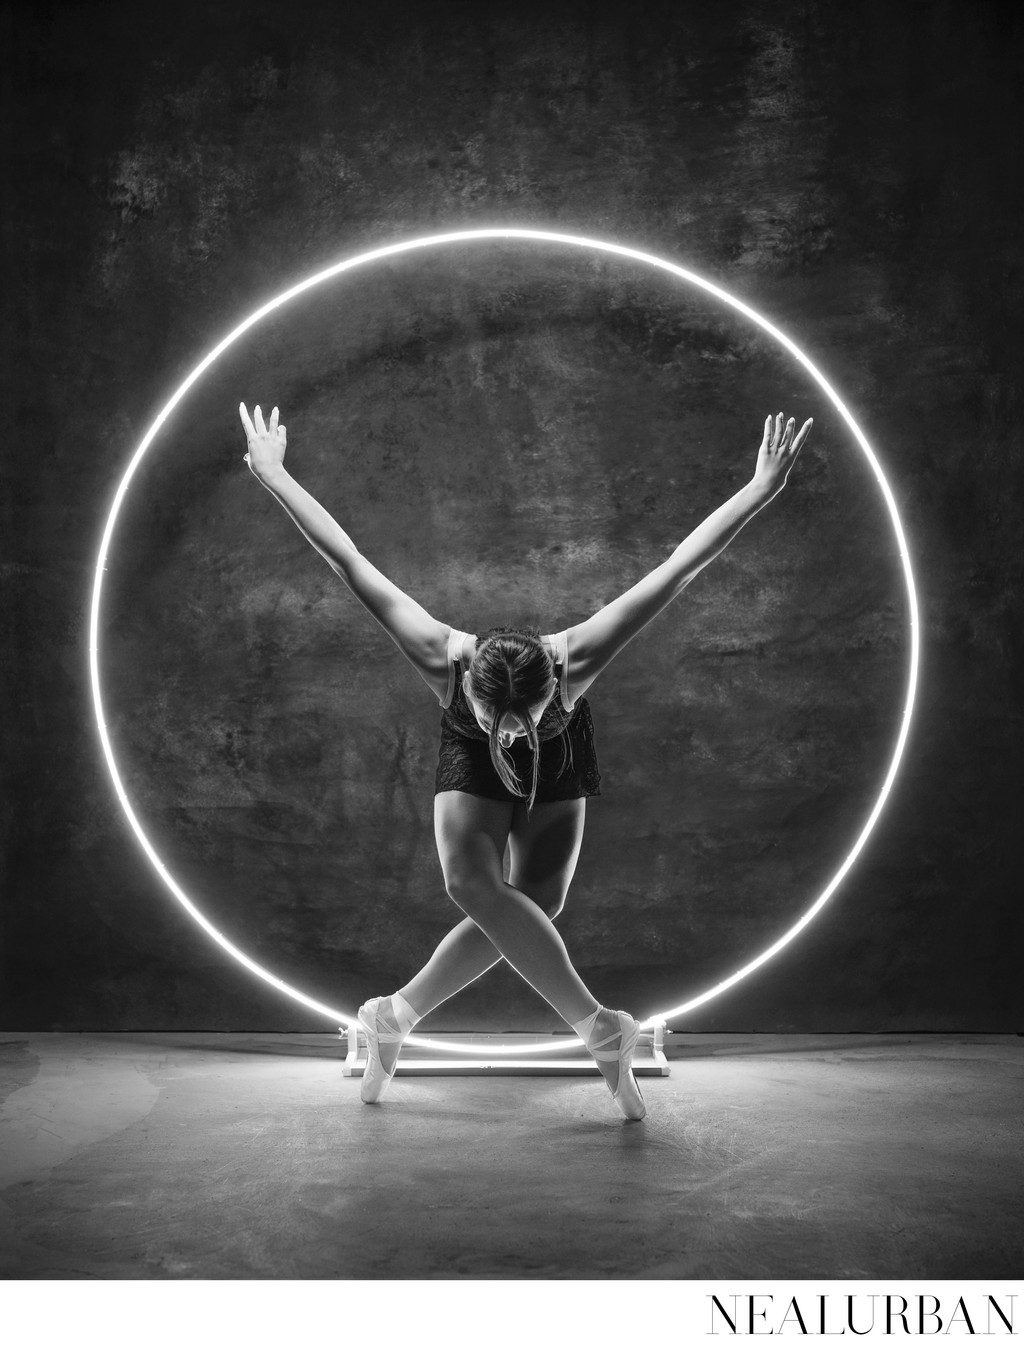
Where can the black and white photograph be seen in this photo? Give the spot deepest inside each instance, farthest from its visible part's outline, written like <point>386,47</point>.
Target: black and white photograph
<point>512,659</point>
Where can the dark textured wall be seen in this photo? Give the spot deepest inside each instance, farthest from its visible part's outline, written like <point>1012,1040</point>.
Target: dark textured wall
<point>513,433</point>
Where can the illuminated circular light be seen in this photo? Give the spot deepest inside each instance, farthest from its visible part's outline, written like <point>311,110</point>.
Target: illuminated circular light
<point>466,236</point>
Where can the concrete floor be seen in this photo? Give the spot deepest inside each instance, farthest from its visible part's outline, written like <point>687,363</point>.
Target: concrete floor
<point>202,1156</point>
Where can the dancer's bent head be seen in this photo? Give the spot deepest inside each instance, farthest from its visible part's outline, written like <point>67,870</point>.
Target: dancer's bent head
<point>509,683</point>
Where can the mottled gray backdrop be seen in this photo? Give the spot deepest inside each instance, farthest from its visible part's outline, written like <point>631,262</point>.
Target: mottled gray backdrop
<point>514,433</point>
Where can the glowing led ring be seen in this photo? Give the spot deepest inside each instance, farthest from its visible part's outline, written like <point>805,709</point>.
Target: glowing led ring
<point>538,236</point>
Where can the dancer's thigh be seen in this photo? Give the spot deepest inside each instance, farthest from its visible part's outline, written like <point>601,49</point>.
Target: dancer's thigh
<point>471,835</point>
<point>544,847</point>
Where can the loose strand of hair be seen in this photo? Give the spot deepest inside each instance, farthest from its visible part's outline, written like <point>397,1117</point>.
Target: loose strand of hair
<point>533,739</point>
<point>502,762</point>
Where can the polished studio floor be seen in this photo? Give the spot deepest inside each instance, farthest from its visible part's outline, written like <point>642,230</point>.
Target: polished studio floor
<point>209,1156</point>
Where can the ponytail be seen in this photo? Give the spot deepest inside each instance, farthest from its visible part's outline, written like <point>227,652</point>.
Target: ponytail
<point>502,760</point>
<point>510,673</point>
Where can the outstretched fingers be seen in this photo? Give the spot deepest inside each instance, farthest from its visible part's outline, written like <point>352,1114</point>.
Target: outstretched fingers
<point>785,439</point>
<point>779,447</point>
<point>266,443</point>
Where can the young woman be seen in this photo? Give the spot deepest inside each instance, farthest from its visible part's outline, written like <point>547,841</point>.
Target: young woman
<point>516,764</point>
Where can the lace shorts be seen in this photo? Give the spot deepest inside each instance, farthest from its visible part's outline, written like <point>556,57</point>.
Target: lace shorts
<point>568,763</point>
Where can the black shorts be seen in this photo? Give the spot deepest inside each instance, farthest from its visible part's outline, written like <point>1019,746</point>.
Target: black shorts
<point>568,763</point>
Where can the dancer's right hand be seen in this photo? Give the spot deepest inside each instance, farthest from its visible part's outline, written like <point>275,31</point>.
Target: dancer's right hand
<point>266,444</point>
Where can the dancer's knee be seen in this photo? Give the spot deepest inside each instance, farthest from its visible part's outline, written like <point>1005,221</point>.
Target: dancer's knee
<point>549,896</point>
<point>474,893</point>
<point>548,892</point>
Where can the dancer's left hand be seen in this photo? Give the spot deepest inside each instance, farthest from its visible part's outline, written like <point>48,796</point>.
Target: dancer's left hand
<point>779,448</point>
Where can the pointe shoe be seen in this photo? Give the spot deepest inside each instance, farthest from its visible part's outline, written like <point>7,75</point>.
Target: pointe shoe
<point>626,1093</point>
<point>376,1079</point>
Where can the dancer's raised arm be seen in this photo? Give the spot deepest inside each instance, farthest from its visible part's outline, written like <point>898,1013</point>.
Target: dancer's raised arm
<point>421,639</point>
<point>595,643</point>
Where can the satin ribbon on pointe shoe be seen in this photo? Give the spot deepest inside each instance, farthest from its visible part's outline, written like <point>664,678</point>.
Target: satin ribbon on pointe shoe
<point>626,1093</point>
<point>376,1079</point>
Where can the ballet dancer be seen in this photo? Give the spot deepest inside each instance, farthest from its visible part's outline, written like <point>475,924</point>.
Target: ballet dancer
<point>516,763</point>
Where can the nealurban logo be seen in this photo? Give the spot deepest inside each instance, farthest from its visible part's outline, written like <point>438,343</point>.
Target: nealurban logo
<point>866,1313</point>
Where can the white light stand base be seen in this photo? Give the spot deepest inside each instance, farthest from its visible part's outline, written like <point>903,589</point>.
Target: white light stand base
<point>491,1056</point>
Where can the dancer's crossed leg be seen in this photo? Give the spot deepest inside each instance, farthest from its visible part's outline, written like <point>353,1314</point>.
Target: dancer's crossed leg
<point>543,849</point>
<point>510,919</point>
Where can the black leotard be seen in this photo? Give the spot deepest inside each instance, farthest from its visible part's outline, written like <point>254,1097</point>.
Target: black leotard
<point>568,758</point>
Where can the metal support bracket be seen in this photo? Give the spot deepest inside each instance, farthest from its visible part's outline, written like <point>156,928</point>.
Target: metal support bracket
<point>495,1055</point>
